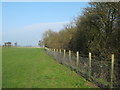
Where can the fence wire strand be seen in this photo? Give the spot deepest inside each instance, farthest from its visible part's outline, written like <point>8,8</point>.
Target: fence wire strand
<point>100,69</point>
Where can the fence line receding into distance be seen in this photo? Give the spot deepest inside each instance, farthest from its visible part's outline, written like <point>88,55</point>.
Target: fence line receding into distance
<point>104,73</point>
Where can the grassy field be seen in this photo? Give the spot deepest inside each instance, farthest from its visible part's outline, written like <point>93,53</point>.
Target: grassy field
<point>33,68</point>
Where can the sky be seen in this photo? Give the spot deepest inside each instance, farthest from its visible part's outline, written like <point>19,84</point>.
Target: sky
<point>25,22</point>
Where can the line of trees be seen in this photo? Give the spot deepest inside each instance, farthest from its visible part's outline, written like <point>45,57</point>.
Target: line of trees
<point>97,30</point>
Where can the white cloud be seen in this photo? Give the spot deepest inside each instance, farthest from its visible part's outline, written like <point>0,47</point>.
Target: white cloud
<point>45,26</point>
<point>30,34</point>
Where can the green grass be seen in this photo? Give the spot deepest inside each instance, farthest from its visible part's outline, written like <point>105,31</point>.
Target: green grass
<point>33,68</point>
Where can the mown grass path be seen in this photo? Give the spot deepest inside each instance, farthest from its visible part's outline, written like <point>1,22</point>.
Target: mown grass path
<point>33,68</point>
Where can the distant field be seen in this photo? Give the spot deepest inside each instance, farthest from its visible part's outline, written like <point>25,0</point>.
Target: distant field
<point>33,68</point>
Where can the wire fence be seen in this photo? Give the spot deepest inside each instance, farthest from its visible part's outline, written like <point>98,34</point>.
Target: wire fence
<point>104,73</point>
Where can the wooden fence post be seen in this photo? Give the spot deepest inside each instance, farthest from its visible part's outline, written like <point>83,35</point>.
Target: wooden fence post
<point>77,53</point>
<point>54,52</point>
<point>112,70</point>
<point>64,53</point>
<point>70,56</point>
<point>57,50</point>
<point>60,50</point>
<point>89,65</point>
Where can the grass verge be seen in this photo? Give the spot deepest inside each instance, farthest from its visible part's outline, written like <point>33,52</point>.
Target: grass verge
<point>33,68</point>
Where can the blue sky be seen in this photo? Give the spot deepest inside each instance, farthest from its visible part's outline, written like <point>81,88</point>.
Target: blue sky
<point>25,22</point>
